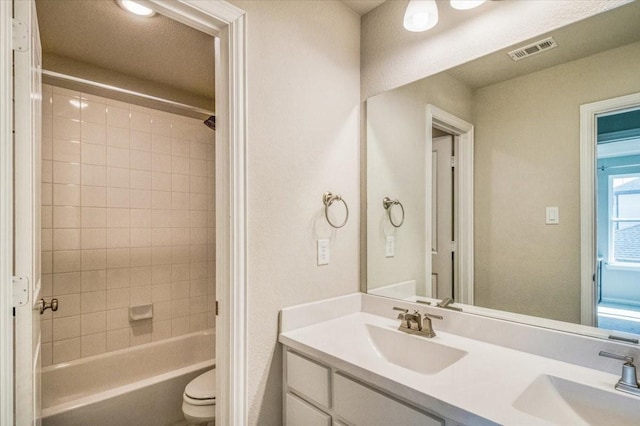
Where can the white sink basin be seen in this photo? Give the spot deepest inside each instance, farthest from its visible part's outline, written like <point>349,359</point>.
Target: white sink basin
<point>415,353</point>
<point>569,403</point>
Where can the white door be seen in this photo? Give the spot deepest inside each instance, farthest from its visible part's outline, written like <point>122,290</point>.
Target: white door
<point>28,116</point>
<point>442,218</point>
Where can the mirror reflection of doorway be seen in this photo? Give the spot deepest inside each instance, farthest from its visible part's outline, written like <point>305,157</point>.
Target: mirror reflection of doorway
<point>618,221</point>
<point>442,217</point>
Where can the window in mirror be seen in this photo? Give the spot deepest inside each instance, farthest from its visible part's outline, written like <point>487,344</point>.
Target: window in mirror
<point>625,219</point>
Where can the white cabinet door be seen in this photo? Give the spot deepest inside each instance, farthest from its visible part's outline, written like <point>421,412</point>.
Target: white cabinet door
<point>301,413</point>
<point>309,379</point>
<point>360,405</point>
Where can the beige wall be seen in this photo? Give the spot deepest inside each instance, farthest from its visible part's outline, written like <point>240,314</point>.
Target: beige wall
<point>527,157</point>
<point>127,219</point>
<point>303,121</point>
<point>396,125</point>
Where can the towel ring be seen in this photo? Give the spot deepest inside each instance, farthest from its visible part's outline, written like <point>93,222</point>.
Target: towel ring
<point>328,198</point>
<point>388,204</point>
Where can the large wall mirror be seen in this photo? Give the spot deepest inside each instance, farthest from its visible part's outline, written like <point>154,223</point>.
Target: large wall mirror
<point>474,180</point>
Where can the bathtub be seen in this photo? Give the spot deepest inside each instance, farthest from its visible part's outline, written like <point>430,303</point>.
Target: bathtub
<point>141,385</point>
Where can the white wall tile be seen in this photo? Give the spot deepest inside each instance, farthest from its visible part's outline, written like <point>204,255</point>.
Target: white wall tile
<point>66,217</point>
<point>66,350</point>
<point>94,301</point>
<point>94,217</point>
<point>94,112</point>
<point>66,129</point>
<point>117,339</point>
<point>66,283</point>
<point>66,328</point>
<point>140,141</point>
<point>117,137</point>
<point>125,195</point>
<point>93,154</point>
<point>61,172</point>
<point>94,259</point>
<point>93,133</point>
<point>94,196</point>
<point>93,344</point>
<point>118,117</point>
<point>117,157</point>
<point>94,280</point>
<point>95,322</point>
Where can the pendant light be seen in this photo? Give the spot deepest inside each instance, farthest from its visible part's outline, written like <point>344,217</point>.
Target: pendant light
<point>466,4</point>
<point>420,15</point>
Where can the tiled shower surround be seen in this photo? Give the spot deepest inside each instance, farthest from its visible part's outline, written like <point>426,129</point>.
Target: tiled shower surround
<point>127,219</point>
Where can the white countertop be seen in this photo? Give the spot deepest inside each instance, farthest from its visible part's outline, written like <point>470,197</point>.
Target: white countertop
<point>480,388</point>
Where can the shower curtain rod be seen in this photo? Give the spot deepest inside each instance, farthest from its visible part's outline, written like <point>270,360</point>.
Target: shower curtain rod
<point>82,81</point>
<point>603,168</point>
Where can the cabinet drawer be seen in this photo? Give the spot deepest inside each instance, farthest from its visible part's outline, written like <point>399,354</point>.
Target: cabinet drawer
<point>308,378</point>
<point>300,413</point>
<point>360,405</point>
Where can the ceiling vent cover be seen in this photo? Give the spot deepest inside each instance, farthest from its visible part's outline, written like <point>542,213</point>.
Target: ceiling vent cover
<point>533,49</point>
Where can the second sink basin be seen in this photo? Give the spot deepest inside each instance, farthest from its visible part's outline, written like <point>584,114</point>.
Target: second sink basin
<point>570,403</point>
<point>415,353</point>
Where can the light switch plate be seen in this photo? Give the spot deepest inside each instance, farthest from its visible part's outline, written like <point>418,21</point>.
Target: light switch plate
<point>553,216</point>
<point>390,246</point>
<point>323,252</point>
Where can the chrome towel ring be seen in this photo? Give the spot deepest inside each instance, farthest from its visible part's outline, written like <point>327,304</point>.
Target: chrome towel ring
<point>388,204</point>
<point>328,198</point>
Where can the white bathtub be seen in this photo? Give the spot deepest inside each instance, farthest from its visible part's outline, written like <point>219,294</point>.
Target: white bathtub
<point>141,385</point>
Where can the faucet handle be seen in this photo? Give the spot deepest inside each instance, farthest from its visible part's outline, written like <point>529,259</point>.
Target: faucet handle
<point>629,380</point>
<point>402,313</point>
<point>626,359</point>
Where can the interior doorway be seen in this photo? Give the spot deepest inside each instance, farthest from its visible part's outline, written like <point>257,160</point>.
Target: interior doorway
<point>618,221</point>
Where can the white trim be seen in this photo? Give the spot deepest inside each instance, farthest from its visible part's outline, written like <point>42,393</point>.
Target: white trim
<point>588,135</point>
<point>463,265</point>
<point>231,193</point>
<point>6,215</point>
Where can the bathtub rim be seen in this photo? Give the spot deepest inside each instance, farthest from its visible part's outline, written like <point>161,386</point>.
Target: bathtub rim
<point>85,360</point>
<point>129,387</point>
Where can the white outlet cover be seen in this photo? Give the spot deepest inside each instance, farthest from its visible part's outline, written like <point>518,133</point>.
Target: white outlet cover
<point>323,252</point>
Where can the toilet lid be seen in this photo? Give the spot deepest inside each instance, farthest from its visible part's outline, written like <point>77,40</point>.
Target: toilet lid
<point>203,386</point>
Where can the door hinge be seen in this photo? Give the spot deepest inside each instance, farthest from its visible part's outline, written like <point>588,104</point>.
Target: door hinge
<point>20,36</point>
<point>454,246</point>
<point>216,308</point>
<point>454,161</point>
<point>20,291</point>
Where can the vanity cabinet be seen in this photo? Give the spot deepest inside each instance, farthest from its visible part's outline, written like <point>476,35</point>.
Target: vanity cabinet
<point>318,394</point>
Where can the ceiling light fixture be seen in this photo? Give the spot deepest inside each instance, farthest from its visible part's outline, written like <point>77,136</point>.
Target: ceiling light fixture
<point>136,8</point>
<point>466,4</point>
<point>420,15</point>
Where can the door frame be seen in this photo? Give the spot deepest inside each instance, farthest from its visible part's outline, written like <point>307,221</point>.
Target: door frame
<point>6,215</point>
<point>228,23</point>
<point>588,153</point>
<point>463,198</point>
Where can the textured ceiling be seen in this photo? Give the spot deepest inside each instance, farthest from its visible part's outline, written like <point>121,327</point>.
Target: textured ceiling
<point>599,33</point>
<point>103,35</point>
<point>362,6</point>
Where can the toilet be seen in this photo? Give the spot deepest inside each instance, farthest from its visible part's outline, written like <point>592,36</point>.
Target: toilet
<point>198,400</point>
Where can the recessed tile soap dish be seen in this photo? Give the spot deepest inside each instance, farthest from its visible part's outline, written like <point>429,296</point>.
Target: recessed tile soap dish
<point>140,312</point>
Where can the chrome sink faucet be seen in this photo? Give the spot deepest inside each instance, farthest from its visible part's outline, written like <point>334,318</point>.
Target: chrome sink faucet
<point>415,324</point>
<point>629,381</point>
